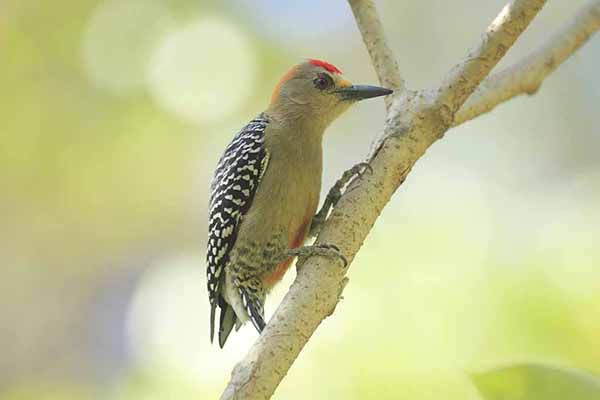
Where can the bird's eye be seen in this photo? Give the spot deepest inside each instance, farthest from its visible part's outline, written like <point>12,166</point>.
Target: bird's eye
<point>323,81</point>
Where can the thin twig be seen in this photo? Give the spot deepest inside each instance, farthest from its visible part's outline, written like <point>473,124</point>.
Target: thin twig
<point>464,78</point>
<point>382,58</point>
<point>526,76</point>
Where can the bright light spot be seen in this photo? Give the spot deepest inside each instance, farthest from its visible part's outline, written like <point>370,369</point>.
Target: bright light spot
<point>119,41</point>
<point>501,18</point>
<point>203,71</point>
<point>168,323</point>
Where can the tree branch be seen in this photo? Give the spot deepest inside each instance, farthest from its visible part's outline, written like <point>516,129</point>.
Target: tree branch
<point>382,58</point>
<point>527,75</point>
<point>464,78</point>
<point>414,122</point>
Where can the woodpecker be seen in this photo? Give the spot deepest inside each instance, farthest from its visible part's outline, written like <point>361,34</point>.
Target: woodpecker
<point>265,192</point>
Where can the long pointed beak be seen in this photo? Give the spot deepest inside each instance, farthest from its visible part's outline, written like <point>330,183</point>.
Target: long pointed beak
<point>361,92</point>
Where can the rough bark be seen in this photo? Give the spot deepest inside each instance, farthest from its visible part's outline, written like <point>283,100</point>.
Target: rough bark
<point>415,120</point>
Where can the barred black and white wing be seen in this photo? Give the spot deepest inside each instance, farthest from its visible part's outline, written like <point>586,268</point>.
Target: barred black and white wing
<point>233,187</point>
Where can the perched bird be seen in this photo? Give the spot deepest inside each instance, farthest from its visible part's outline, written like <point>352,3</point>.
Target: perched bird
<point>265,192</point>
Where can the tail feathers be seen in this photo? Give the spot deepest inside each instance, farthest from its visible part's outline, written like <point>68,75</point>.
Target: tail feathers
<point>228,319</point>
<point>212,321</point>
<point>255,310</point>
<point>227,322</point>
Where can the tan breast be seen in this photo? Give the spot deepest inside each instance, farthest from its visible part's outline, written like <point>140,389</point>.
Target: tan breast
<point>288,194</point>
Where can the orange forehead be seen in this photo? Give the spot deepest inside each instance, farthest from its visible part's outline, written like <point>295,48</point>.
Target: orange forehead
<point>343,83</point>
<point>286,77</point>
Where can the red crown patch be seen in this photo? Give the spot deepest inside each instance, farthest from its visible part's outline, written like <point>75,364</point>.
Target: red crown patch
<point>325,65</point>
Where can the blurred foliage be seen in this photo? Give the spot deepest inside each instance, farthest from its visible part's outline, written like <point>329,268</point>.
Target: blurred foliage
<point>488,253</point>
<point>535,381</point>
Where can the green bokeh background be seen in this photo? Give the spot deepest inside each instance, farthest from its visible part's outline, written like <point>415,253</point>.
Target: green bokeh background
<point>488,255</point>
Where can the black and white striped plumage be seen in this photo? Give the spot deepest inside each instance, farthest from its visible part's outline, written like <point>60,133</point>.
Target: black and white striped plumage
<point>233,187</point>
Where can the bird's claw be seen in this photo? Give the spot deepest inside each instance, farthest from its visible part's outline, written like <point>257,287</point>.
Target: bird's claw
<point>334,251</point>
<point>364,166</point>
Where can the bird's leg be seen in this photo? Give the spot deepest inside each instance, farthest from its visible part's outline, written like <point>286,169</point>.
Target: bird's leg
<point>334,195</point>
<point>323,250</point>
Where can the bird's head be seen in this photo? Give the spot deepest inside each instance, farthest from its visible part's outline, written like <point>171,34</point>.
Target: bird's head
<point>316,90</point>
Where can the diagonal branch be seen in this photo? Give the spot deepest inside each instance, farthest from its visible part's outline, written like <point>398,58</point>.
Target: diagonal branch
<point>464,78</point>
<point>415,121</point>
<point>526,76</point>
<point>383,59</point>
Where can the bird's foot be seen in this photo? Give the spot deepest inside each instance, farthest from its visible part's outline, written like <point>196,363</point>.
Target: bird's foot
<point>323,250</point>
<point>335,193</point>
<point>358,170</point>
